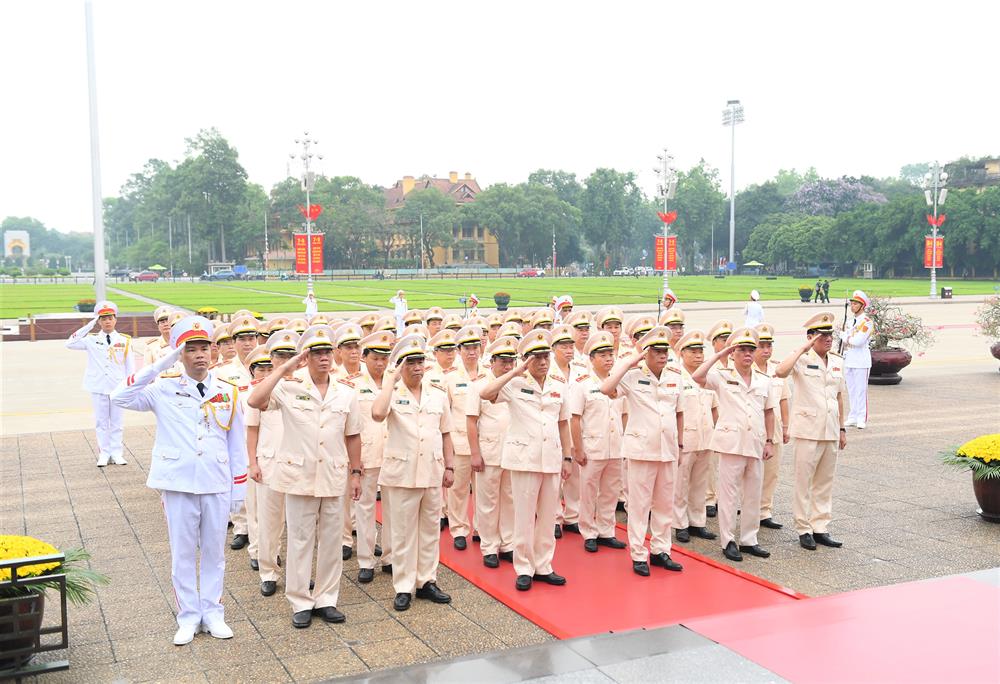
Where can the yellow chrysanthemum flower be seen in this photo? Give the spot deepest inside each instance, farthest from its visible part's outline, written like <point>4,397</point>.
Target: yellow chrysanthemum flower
<point>985,448</point>
<point>15,546</point>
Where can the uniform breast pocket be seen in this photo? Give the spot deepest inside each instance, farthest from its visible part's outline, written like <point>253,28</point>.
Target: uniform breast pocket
<point>166,453</point>
<point>222,456</point>
<point>302,412</point>
<point>727,427</point>
<point>290,459</point>
<point>805,412</point>
<point>336,419</point>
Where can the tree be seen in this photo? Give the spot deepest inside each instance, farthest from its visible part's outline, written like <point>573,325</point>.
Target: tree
<point>700,207</point>
<point>788,182</point>
<point>830,197</point>
<point>567,188</point>
<point>612,209</point>
<point>440,217</point>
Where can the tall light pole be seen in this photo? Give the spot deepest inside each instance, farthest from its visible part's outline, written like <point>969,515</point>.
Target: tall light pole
<point>732,115</point>
<point>935,193</point>
<point>666,190</point>
<point>308,184</point>
<point>100,288</point>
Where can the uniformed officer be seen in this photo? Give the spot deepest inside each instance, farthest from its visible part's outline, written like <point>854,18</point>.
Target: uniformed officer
<point>412,317</point>
<point>564,308</point>
<point>610,318</point>
<point>536,438</point>
<point>199,465</point>
<point>818,413</point>
<point>717,335</point>
<point>434,320</point>
<point>223,346</point>
<point>367,322</point>
<point>782,394</point>
<point>652,391</point>
<point>445,347</point>
<point>543,319</point>
<point>858,359</point>
<point>700,414</point>
<point>635,330</point>
<point>562,370</point>
<point>452,322</point>
<point>669,299</point>
<point>510,329</point>
<point>487,425</point>
<point>347,353</point>
<point>494,321</point>
<point>109,360</point>
<point>259,364</point>
<point>743,435</point>
<point>158,347</point>
<point>673,318</point>
<point>321,441</point>
<point>580,322</point>
<point>417,463</point>
<point>596,427</point>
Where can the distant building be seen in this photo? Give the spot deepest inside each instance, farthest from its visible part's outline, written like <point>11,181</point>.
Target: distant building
<point>978,173</point>
<point>16,244</point>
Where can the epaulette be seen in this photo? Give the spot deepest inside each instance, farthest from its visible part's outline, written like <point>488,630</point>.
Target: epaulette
<point>436,386</point>
<point>228,382</point>
<point>354,375</point>
<point>833,353</point>
<point>448,370</point>
<point>170,374</point>
<point>557,378</point>
<point>674,369</point>
<point>347,382</point>
<point>582,378</point>
<point>126,335</point>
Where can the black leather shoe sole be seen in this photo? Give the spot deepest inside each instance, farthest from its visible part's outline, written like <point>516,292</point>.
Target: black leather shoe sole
<point>491,561</point>
<point>590,545</point>
<point>641,569</point>
<point>254,565</point>
<point>329,614</point>
<point>460,543</point>
<point>267,588</point>
<point>401,602</point>
<point>807,542</point>
<point>756,551</point>
<point>665,562</point>
<point>702,533</point>
<point>732,554</point>
<point>434,595</point>
<point>611,542</point>
<point>348,552</point>
<point>302,619</point>
<point>711,511</point>
<point>770,524</point>
<point>239,541</point>
<point>365,575</point>
<point>523,583</point>
<point>553,579</point>
<point>826,540</point>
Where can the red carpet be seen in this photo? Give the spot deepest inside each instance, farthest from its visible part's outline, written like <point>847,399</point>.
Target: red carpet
<point>939,631</point>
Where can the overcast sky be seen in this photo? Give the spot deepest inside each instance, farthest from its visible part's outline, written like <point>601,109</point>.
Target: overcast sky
<point>494,88</point>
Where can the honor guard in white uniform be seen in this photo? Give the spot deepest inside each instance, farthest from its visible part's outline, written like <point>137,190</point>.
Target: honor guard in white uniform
<point>158,347</point>
<point>596,427</point>
<point>564,308</point>
<point>743,436</point>
<point>199,465</point>
<point>717,335</point>
<point>700,413</point>
<point>416,464</point>
<point>487,425</point>
<point>782,394</point>
<point>347,351</point>
<point>669,299</point>
<point>562,370</point>
<point>321,442</point>
<point>652,391</point>
<point>817,426</point>
<point>538,436</point>
<point>858,359</point>
<point>109,361</point>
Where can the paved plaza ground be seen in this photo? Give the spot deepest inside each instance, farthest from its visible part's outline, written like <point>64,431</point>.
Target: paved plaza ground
<point>901,514</point>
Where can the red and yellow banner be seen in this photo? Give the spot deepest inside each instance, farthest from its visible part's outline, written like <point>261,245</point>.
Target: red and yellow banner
<point>302,253</point>
<point>665,255</point>
<point>933,256</point>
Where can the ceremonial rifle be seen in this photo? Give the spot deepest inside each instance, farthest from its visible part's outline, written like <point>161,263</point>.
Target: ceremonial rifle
<point>843,326</point>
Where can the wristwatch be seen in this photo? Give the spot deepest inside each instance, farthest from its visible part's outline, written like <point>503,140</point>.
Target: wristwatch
<point>568,459</point>
<point>355,471</point>
<point>770,441</point>
<point>843,429</point>
<point>449,468</point>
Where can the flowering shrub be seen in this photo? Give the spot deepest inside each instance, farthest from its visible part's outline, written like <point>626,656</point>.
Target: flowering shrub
<point>896,328</point>
<point>981,455</point>
<point>80,580</point>
<point>988,318</point>
<point>829,197</point>
<point>15,546</point>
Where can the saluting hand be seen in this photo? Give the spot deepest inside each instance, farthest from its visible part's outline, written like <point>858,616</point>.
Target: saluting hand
<point>522,367</point>
<point>636,358</point>
<point>297,360</point>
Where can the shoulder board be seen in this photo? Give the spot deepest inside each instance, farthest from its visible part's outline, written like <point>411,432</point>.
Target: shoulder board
<point>125,335</point>
<point>582,378</point>
<point>170,374</point>
<point>354,375</point>
<point>437,386</point>
<point>228,382</point>
<point>832,353</point>
<point>557,378</point>
<point>674,369</point>
<point>256,382</point>
<point>345,381</point>
<point>448,370</point>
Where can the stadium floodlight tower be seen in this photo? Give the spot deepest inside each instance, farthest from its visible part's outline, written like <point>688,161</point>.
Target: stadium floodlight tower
<point>666,190</point>
<point>308,179</point>
<point>732,115</point>
<point>935,193</point>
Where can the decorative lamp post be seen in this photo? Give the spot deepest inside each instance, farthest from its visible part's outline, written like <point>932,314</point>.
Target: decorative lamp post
<point>732,115</point>
<point>308,184</point>
<point>935,193</point>
<point>666,190</point>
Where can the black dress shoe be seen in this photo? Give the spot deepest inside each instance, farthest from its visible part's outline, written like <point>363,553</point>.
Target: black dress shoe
<point>732,552</point>
<point>806,541</point>
<point>460,543</point>
<point>701,533</point>
<point>683,536</point>
<point>507,556</point>
<point>611,542</point>
<point>558,532</point>
<point>365,575</point>
<point>640,568</point>
<point>491,560</point>
<point>312,584</point>
<point>277,561</point>
<point>268,587</point>
<point>239,541</point>
<point>476,538</point>
<point>302,619</point>
<point>620,506</point>
<point>401,602</point>
<point>523,582</point>
<point>254,565</point>
<point>329,614</point>
<point>377,551</point>
<point>572,527</point>
<point>590,545</point>
<point>770,524</point>
<point>711,511</point>
<point>387,568</point>
<point>431,592</point>
<point>444,523</point>
<point>756,550</point>
<point>551,578</point>
<point>662,560</point>
<point>348,552</point>
<point>826,540</point>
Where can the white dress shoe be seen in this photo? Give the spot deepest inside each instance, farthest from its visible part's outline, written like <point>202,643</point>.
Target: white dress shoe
<point>119,460</point>
<point>850,422</point>
<point>185,634</point>
<point>861,425</point>
<point>218,629</point>
<point>102,460</point>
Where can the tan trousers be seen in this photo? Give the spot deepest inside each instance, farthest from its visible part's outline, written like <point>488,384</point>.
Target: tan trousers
<point>536,500</point>
<point>812,502</point>
<point>458,496</point>
<point>239,521</point>
<point>364,514</point>
<point>270,522</point>
<point>494,517</point>
<point>350,521</point>
<point>711,498</point>
<point>600,482</point>
<point>313,521</point>
<point>569,512</point>
<point>250,505</point>
<point>691,489</point>
<point>739,481</point>
<point>650,497</point>
<point>414,521</point>
<point>772,467</point>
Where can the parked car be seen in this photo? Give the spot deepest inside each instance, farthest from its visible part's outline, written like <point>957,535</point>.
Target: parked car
<point>623,271</point>
<point>531,273</point>
<point>120,273</point>
<point>144,276</point>
<point>226,274</point>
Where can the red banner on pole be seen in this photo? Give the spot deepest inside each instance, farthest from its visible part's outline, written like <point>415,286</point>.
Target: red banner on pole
<point>658,254</point>
<point>933,256</point>
<point>671,252</point>
<point>302,253</point>
<point>665,254</point>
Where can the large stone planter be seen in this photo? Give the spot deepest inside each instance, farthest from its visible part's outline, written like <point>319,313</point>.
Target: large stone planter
<point>995,350</point>
<point>886,365</point>
<point>987,493</point>
<point>502,301</point>
<point>20,622</point>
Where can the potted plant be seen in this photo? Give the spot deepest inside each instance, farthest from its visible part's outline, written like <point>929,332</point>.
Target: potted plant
<point>28,600</point>
<point>805,293</point>
<point>982,456</point>
<point>988,318</point>
<point>209,312</point>
<point>502,300</point>
<point>86,305</point>
<point>895,330</point>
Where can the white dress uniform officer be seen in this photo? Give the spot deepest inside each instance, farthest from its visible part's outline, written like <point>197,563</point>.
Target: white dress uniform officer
<point>858,360</point>
<point>109,361</point>
<point>199,465</point>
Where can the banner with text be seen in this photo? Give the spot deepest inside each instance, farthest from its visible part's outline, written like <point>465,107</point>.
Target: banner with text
<point>302,253</point>
<point>933,256</point>
<point>665,255</point>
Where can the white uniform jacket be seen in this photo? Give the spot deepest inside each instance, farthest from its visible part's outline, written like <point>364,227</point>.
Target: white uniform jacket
<point>107,363</point>
<point>856,351</point>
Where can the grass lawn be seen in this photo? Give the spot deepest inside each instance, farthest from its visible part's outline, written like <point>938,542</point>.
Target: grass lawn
<point>20,300</point>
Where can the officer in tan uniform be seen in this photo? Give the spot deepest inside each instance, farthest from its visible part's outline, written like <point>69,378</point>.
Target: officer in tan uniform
<point>510,329</point>
<point>538,435</point>
<point>596,426</point>
<point>543,319</point>
<point>635,330</point>
<point>416,464</point>
<point>717,335</point>
<point>434,320</point>
<point>487,424</point>
<point>652,391</point>
<point>445,348</point>
<point>259,364</point>
<point>452,322</point>
<point>367,322</point>
<point>580,322</point>
<point>743,435</point>
<point>780,388</point>
<point>817,426</point>
<point>610,319</point>
<point>700,414</point>
<point>493,323</point>
<point>673,318</point>
<point>223,345</point>
<point>562,370</point>
<point>347,354</point>
<point>158,347</point>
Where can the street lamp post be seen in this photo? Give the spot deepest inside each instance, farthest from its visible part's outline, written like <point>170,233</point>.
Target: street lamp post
<point>308,184</point>
<point>667,189</point>
<point>935,193</point>
<point>732,115</point>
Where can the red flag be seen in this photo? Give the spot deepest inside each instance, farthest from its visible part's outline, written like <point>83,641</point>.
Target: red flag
<point>938,221</point>
<point>314,211</point>
<point>669,217</point>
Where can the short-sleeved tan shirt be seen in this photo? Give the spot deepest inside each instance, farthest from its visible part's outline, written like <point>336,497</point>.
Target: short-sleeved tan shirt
<point>698,403</point>
<point>460,385</point>
<point>816,411</point>
<point>532,441</point>
<point>373,435</point>
<point>740,429</point>
<point>600,418</point>
<point>414,447</point>
<point>652,405</point>
<point>494,420</point>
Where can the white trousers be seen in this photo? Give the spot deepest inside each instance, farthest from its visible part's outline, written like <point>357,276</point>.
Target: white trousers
<point>536,500</point>
<point>739,481</point>
<point>197,521</point>
<point>494,517</point>
<point>364,515</point>
<point>313,521</point>
<point>108,425</point>
<point>650,497</point>
<point>415,519</point>
<point>600,482</point>
<point>857,390</point>
<point>691,488</point>
<point>270,523</point>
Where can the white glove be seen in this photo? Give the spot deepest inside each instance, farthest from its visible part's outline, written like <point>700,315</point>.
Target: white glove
<point>235,505</point>
<point>169,360</point>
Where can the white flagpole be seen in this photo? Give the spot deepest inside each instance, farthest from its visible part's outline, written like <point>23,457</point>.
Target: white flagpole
<point>100,288</point>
